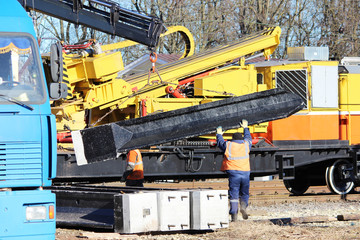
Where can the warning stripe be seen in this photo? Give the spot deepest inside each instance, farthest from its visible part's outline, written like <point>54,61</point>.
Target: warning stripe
<point>66,81</point>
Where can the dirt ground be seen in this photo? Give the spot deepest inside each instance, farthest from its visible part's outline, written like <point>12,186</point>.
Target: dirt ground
<point>238,230</point>
<point>258,226</point>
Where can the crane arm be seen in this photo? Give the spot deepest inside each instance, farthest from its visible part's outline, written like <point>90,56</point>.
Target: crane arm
<point>109,18</point>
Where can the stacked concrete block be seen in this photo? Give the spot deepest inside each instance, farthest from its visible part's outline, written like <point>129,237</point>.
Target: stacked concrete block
<point>135,213</point>
<point>171,211</point>
<point>174,210</point>
<point>209,209</point>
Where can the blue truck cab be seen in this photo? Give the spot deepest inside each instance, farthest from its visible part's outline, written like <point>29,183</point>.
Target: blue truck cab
<point>27,132</point>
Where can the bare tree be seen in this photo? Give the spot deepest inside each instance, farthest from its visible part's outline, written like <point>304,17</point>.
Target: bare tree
<point>332,23</point>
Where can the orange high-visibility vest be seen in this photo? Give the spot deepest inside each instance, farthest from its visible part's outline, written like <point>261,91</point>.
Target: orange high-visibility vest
<point>134,159</point>
<point>236,157</point>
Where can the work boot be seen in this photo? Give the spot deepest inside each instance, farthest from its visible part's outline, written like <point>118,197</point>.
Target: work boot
<point>234,217</point>
<point>243,210</point>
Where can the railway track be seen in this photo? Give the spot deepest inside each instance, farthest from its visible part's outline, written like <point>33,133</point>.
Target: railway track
<point>263,192</point>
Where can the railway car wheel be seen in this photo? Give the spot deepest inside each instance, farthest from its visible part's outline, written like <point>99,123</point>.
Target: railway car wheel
<point>338,177</point>
<point>297,186</point>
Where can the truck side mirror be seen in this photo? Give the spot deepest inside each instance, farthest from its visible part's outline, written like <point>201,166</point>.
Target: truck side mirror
<point>56,62</point>
<point>58,90</point>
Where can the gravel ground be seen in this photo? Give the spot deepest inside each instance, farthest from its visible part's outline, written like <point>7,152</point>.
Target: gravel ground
<point>252,229</point>
<point>295,209</point>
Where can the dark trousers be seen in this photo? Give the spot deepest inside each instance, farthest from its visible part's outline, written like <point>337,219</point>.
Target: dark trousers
<point>239,184</point>
<point>134,183</point>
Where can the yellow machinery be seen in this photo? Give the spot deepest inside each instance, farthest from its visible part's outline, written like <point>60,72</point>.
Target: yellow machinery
<point>97,96</point>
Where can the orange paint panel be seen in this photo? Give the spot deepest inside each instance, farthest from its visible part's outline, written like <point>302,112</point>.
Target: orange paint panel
<point>306,127</point>
<point>354,129</point>
<point>291,128</point>
<point>324,127</point>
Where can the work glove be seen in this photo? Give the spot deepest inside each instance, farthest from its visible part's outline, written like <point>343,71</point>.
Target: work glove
<point>219,130</point>
<point>125,175</point>
<point>244,123</point>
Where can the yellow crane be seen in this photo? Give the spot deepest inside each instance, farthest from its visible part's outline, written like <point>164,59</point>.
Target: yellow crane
<point>97,96</point>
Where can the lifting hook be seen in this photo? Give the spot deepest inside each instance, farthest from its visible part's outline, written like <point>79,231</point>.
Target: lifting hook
<point>153,59</point>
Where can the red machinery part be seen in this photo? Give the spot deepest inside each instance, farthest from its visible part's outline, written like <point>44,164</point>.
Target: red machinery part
<point>143,108</point>
<point>174,92</point>
<point>191,79</point>
<point>78,46</point>
<point>64,137</point>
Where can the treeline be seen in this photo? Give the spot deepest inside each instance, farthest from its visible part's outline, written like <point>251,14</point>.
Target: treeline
<point>332,23</point>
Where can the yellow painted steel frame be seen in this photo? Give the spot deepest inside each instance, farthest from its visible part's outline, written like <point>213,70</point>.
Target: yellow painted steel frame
<point>84,72</point>
<point>349,103</point>
<point>92,79</point>
<point>230,80</point>
<point>187,37</point>
<point>266,41</point>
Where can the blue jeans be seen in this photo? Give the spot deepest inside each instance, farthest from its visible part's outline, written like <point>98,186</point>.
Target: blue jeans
<point>239,184</point>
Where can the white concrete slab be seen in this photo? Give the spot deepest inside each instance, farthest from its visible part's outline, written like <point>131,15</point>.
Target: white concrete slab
<point>209,209</point>
<point>174,210</point>
<point>139,212</point>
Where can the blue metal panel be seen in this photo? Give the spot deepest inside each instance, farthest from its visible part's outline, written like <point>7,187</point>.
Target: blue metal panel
<point>49,144</point>
<point>21,162</point>
<point>23,131</point>
<point>16,18</point>
<point>28,138</point>
<point>13,209</point>
<point>53,148</point>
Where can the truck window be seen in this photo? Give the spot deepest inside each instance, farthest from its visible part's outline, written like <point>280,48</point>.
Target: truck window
<point>20,69</point>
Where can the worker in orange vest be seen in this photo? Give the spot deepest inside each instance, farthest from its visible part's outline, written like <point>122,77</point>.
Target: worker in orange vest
<point>134,173</point>
<point>237,166</point>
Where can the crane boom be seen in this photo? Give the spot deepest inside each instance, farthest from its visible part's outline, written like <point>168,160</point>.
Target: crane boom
<point>102,15</point>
